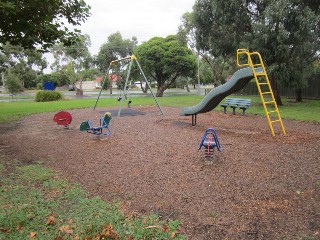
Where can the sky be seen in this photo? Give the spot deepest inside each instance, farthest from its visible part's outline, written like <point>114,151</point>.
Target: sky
<point>141,18</point>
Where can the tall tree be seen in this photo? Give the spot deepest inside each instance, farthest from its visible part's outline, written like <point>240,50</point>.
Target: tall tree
<point>41,23</point>
<point>13,83</point>
<point>166,59</point>
<point>285,32</point>
<point>216,62</point>
<point>73,60</point>
<point>26,64</point>
<point>115,48</point>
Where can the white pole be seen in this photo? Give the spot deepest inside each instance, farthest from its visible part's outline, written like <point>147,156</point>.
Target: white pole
<point>198,74</point>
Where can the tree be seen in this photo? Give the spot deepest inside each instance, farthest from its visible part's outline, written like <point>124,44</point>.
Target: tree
<point>216,62</point>
<point>115,48</point>
<point>41,23</point>
<point>26,63</point>
<point>285,32</point>
<point>13,83</point>
<point>166,59</point>
<point>73,60</point>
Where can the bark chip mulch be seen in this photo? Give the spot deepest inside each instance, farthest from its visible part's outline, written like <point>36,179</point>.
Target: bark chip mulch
<point>258,187</point>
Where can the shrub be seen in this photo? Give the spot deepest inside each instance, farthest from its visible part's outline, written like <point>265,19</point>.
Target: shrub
<point>47,96</point>
<point>39,86</point>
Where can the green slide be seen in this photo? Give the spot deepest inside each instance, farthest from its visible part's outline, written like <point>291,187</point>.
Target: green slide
<point>238,80</point>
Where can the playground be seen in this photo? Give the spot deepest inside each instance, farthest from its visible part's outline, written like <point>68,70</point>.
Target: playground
<point>258,187</point>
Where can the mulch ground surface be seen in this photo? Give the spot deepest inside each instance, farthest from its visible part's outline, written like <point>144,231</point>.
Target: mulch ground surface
<point>258,187</point>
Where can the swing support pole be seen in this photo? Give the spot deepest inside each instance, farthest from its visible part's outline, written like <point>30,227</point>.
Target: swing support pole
<point>144,76</point>
<point>125,88</point>
<point>106,76</point>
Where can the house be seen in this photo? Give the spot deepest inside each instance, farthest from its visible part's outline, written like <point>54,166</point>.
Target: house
<point>113,77</point>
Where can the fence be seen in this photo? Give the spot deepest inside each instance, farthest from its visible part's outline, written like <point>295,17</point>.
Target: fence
<point>312,91</point>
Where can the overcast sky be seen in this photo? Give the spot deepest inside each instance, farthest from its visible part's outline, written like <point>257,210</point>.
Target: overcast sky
<point>141,18</point>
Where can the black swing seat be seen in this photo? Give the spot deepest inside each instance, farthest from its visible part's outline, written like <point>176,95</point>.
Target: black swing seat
<point>103,129</point>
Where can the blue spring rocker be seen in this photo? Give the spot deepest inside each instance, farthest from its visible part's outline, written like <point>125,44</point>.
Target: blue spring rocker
<point>210,141</point>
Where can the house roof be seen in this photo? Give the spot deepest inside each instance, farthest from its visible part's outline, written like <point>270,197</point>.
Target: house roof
<point>113,77</point>
<point>99,79</point>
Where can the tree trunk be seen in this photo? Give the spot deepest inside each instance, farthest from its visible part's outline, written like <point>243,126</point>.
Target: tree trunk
<point>110,86</point>
<point>275,90</point>
<point>187,86</point>
<point>144,90</point>
<point>160,91</point>
<point>79,91</point>
<point>298,93</point>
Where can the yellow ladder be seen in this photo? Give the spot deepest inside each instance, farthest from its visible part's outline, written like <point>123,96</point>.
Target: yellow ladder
<point>254,60</point>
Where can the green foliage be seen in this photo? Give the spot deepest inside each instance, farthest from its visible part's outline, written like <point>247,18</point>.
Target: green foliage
<point>166,59</point>
<point>13,83</point>
<point>58,78</point>
<point>286,33</point>
<point>36,202</point>
<point>33,23</point>
<point>26,63</point>
<point>106,83</point>
<point>115,48</point>
<point>47,96</point>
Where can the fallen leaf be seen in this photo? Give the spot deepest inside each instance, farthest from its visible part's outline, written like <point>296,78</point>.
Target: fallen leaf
<point>19,227</point>
<point>173,234</point>
<point>66,229</point>
<point>108,232</point>
<point>4,229</point>
<point>32,234</point>
<point>165,228</point>
<point>51,220</point>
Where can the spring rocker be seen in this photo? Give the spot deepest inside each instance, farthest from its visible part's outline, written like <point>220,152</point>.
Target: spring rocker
<point>209,141</point>
<point>103,129</point>
<point>63,118</point>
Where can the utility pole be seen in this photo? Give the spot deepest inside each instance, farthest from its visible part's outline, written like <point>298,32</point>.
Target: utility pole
<point>198,73</point>
<point>3,80</point>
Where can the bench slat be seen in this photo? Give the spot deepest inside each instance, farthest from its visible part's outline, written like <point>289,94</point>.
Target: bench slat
<point>242,103</point>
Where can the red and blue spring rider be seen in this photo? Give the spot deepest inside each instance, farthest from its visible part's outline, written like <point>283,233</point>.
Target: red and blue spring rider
<point>209,141</point>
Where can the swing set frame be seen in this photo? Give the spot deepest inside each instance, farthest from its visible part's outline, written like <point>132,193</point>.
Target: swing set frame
<point>131,58</point>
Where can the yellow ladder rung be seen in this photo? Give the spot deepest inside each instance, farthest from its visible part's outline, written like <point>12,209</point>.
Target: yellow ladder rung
<point>269,102</point>
<point>263,83</point>
<point>273,111</point>
<point>266,93</point>
<point>259,74</point>
<point>257,64</point>
<point>275,121</point>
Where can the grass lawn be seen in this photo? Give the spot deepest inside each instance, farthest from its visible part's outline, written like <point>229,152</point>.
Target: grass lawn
<point>10,111</point>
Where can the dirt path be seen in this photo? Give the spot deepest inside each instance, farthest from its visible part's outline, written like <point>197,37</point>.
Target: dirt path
<point>259,187</point>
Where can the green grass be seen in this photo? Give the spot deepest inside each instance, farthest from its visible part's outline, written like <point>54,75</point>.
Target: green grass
<point>10,111</point>
<point>304,111</point>
<point>35,201</point>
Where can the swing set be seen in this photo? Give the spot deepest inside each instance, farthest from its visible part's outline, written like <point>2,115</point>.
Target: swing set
<point>124,90</point>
